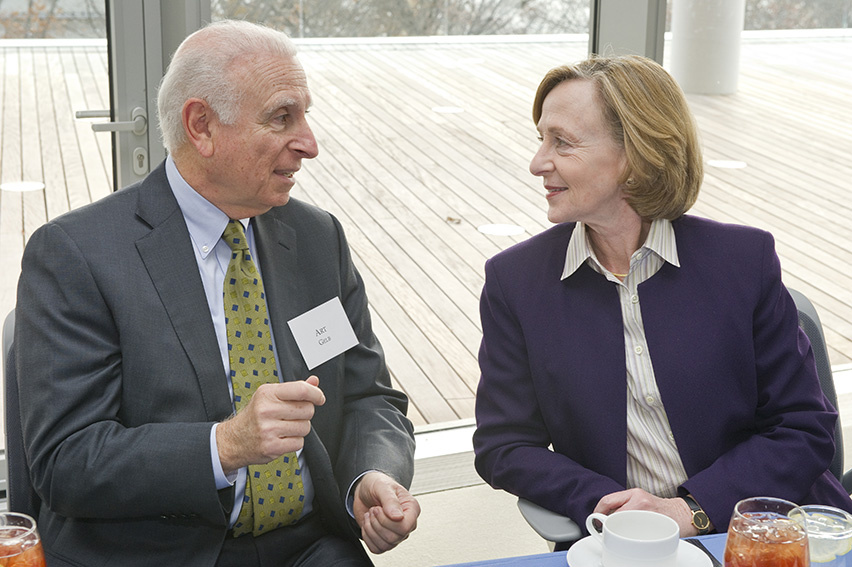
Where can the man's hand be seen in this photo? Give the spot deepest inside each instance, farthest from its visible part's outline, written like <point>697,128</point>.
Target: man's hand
<point>637,499</point>
<point>275,421</point>
<point>385,510</point>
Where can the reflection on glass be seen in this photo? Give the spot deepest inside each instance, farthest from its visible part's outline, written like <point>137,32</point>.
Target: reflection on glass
<point>829,536</point>
<point>20,545</point>
<point>52,19</point>
<point>404,18</point>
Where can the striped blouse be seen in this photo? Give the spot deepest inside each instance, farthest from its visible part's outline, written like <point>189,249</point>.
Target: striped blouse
<point>653,461</point>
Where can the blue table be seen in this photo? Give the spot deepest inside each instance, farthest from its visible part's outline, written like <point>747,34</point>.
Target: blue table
<point>715,543</point>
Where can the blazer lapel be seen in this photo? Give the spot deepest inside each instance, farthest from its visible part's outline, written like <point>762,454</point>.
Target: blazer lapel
<point>286,292</point>
<point>168,256</point>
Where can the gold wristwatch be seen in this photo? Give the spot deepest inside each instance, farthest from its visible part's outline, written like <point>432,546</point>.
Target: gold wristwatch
<point>699,517</point>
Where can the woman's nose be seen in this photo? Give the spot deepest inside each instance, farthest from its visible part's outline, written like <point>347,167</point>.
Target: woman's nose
<point>540,163</point>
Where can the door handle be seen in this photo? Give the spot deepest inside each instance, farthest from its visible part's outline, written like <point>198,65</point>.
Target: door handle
<point>91,114</point>
<point>138,123</point>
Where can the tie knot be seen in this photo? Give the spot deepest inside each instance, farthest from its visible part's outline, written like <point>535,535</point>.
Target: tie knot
<point>235,236</point>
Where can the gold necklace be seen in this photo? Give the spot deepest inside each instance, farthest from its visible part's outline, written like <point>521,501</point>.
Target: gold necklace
<point>620,275</point>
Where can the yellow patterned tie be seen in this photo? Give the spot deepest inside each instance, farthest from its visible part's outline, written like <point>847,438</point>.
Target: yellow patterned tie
<point>274,491</point>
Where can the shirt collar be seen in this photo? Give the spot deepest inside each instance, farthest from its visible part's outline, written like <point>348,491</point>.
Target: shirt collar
<point>660,240</point>
<point>204,220</point>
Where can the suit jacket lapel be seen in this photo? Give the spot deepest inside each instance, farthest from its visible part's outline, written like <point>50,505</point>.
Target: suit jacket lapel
<point>286,294</point>
<point>168,256</point>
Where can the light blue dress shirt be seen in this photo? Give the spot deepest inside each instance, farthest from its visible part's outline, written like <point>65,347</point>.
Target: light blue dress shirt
<point>206,223</point>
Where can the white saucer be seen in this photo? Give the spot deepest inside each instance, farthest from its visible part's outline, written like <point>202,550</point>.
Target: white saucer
<point>587,553</point>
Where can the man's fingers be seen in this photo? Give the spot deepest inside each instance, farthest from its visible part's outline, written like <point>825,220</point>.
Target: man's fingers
<point>389,501</point>
<point>299,391</point>
<point>380,532</point>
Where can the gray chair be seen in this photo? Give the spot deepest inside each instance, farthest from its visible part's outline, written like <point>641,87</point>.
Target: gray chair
<point>553,527</point>
<point>21,496</point>
<point>556,528</point>
<point>811,325</point>
<point>4,356</point>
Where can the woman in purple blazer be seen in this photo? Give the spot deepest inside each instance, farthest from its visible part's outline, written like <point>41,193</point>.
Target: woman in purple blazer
<point>634,356</point>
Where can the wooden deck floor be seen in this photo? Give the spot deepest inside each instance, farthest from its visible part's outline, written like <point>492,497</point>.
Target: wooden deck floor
<point>412,180</point>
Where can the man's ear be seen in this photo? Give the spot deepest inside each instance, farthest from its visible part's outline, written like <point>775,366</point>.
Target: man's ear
<point>198,123</point>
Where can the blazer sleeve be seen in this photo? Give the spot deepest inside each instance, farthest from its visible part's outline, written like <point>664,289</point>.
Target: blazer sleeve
<point>512,439</point>
<point>791,439</point>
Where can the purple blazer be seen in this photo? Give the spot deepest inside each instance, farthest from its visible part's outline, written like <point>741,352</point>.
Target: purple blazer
<point>735,372</point>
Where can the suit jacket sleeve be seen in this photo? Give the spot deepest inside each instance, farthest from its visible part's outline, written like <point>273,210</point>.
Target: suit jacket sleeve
<point>95,429</point>
<point>376,435</point>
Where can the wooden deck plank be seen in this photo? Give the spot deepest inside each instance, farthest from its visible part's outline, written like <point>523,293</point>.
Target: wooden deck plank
<point>467,179</point>
<point>69,143</point>
<point>796,182</point>
<point>91,65</point>
<point>468,160</point>
<point>94,168</point>
<point>453,296</point>
<point>55,190</point>
<point>32,148</point>
<point>429,339</point>
<point>411,185</point>
<point>425,398</point>
<point>415,172</point>
<point>11,203</point>
<point>398,191</point>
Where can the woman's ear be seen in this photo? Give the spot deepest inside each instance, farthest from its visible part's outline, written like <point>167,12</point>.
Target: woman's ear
<point>198,123</point>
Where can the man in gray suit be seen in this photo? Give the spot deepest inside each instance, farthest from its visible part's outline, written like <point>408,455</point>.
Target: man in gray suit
<point>136,451</point>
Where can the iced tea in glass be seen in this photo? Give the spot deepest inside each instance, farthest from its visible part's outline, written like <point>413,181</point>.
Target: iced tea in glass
<point>20,545</point>
<point>767,532</point>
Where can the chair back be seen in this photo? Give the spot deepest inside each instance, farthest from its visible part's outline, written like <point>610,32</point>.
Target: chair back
<point>811,325</point>
<point>21,495</point>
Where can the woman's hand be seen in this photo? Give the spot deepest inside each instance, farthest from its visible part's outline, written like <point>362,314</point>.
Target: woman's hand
<point>637,499</point>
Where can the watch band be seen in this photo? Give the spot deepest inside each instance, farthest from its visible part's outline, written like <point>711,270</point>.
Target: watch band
<point>699,517</point>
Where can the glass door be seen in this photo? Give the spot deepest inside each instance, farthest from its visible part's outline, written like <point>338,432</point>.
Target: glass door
<point>140,38</point>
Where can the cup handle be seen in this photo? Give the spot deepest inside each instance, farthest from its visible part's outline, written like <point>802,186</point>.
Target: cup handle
<point>590,525</point>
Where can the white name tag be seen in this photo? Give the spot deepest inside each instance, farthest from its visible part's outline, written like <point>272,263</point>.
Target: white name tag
<point>323,332</point>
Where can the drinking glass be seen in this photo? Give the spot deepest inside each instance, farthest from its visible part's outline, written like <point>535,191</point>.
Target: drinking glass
<point>767,532</point>
<point>829,536</point>
<point>20,545</point>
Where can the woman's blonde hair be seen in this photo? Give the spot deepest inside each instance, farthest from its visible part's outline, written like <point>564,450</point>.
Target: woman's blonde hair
<point>648,116</point>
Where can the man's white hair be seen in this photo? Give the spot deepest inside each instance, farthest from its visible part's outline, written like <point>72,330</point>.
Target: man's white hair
<point>203,67</point>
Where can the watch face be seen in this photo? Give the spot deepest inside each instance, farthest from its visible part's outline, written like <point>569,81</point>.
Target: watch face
<point>700,520</point>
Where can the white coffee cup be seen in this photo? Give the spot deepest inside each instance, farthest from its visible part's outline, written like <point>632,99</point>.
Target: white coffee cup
<point>636,538</point>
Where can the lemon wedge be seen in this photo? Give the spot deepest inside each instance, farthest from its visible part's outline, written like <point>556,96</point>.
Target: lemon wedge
<point>828,538</point>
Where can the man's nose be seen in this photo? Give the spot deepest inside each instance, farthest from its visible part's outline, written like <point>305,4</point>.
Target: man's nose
<point>305,143</point>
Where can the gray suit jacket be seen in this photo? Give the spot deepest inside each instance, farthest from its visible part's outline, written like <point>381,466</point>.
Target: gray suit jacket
<point>121,379</point>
